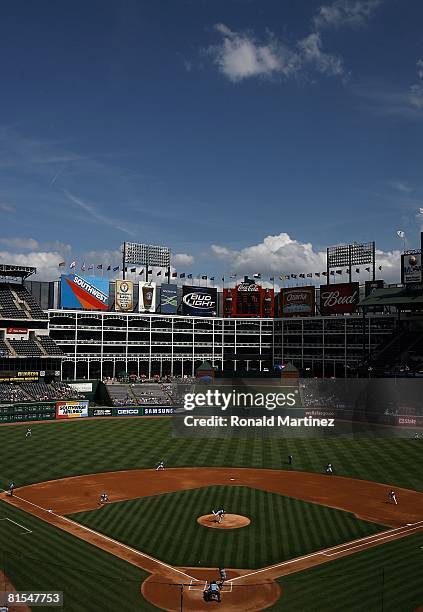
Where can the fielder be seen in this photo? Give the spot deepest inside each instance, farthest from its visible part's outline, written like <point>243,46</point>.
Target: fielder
<point>329,468</point>
<point>219,514</point>
<point>392,497</point>
<point>28,433</point>
<point>11,488</point>
<point>104,498</point>
<point>160,466</point>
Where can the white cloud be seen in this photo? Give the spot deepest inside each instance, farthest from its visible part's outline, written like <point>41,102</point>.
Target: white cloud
<point>104,255</point>
<point>182,259</point>
<point>46,263</point>
<point>240,56</point>
<point>391,265</point>
<point>281,254</point>
<point>278,254</point>
<point>9,208</point>
<point>351,13</point>
<point>20,243</point>
<point>32,244</point>
<point>311,48</point>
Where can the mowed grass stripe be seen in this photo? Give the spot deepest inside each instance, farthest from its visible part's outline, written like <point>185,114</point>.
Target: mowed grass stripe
<point>373,579</point>
<point>78,448</point>
<point>169,530</point>
<point>50,559</point>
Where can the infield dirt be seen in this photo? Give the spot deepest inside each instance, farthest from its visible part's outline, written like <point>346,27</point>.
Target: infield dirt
<point>367,500</point>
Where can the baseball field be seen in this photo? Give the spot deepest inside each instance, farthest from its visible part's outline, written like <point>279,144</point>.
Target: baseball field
<point>311,541</point>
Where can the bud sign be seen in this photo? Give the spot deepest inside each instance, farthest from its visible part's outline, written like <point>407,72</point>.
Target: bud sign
<point>339,298</point>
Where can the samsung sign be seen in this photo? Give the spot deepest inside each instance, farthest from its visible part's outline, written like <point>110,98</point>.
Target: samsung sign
<point>199,301</point>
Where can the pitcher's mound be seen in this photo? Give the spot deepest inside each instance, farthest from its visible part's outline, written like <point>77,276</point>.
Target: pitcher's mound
<point>230,521</point>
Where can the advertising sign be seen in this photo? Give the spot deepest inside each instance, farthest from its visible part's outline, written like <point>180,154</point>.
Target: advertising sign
<point>87,293</point>
<point>297,301</point>
<point>86,387</point>
<point>129,412</point>
<point>72,409</point>
<point>168,299</point>
<point>411,268</point>
<point>339,298</point>
<point>199,301</point>
<point>147,297</point>
<point>17,331</point>
<point>124,296</point>
<point>158,411</point>
<point>248,300</point>
<point>107,412</point>
<point>13,376</point>
<point>410,421</point>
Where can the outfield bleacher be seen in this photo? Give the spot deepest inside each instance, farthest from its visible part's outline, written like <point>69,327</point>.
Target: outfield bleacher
<point>17,303</point>
<point>13,393</point>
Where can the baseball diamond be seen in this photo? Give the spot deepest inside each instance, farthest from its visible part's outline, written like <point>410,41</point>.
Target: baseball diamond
<point>302,521</point>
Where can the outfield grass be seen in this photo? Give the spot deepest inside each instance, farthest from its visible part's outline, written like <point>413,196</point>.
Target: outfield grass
<point>166,527</point>
<point>49,558</point>
<point>57,450</point>
<point>382,579</point>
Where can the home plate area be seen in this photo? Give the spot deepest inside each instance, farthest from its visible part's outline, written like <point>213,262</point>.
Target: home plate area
<point>198,585</point>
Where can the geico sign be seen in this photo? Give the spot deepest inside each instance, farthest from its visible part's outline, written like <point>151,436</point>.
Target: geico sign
<point>198,300</point>
<point>127,412</point>
<point>335,298</point>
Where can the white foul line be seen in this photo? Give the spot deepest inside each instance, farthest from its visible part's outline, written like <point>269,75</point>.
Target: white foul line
<point>376,540</point>
<point>18,524</point>
<point>101,535</point>
<point>319,552</point>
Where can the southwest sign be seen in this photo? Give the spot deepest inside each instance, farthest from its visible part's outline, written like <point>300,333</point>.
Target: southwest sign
<point>86,293</point>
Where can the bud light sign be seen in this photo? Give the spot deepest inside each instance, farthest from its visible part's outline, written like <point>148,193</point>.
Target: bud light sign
<point>199,301</point>
<point>339,299</point>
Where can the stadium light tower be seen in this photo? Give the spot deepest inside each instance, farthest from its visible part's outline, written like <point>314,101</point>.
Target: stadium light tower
<point>145,255</point>
<point>350,255</point>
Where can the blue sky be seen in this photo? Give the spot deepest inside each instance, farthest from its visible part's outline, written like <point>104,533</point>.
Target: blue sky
<point>246,135</point>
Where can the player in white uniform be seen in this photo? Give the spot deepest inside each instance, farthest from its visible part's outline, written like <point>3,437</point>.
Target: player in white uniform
<point>392,497</point>
<point>160,466</point>
<point>329,468</point>
<point>219,514</point>
<point>28,433</point>
<point>104,498</point>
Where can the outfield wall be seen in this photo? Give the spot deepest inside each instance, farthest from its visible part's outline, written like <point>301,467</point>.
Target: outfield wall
<point>74,409</point>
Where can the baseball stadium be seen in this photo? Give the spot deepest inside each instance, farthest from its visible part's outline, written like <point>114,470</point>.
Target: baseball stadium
<point>133,477</point>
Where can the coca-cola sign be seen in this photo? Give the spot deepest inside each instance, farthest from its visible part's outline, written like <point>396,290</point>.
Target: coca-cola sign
<point>297,301</point>
<point>248,287</point>
<point>339,298</point>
